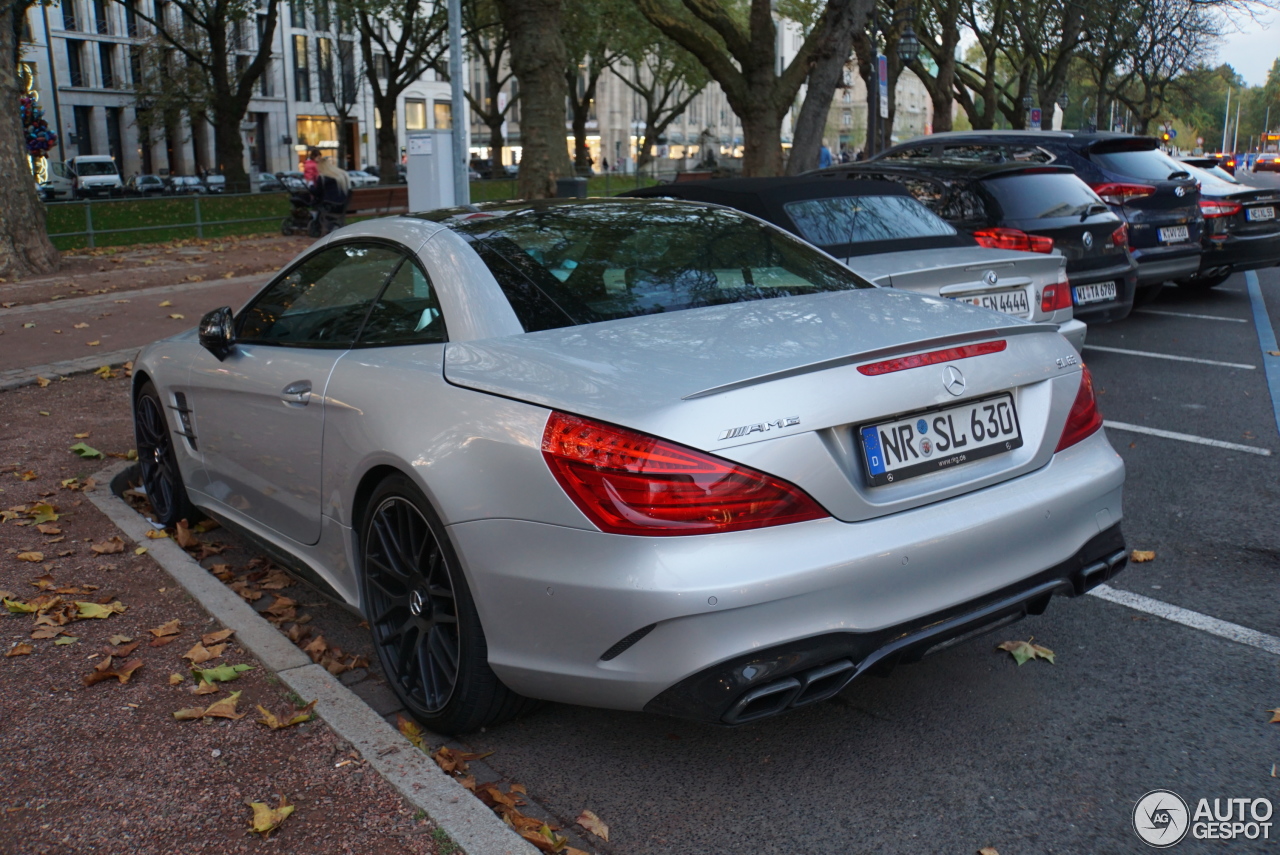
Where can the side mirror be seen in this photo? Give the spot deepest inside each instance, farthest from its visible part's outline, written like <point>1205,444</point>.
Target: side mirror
<point>217,332</point>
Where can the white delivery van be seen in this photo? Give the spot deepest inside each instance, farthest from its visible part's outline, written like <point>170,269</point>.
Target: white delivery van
<point>83,176</point>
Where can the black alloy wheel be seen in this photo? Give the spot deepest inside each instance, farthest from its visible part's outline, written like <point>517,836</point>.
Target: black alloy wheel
<point>412,608</point>
<point>161,477</point>
<point>424,623</point>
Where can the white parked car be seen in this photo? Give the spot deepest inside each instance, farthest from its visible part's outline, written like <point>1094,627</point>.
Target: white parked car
<point>360,178</point>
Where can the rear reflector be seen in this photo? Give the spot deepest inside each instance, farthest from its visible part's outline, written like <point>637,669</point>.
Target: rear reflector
<point>1055,297</point>
<point>1219,208</point>
<point>1084,420</point>
<point>1117,193</point>
<point>630,483</point>
<point>933,357</point>
<point>1012,239</point>
<point>1120,237</point>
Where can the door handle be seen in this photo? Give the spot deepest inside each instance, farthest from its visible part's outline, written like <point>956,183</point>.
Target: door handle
<point>297,392</point>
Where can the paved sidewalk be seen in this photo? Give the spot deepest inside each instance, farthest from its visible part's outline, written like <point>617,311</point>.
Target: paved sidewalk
<point>43,334</point>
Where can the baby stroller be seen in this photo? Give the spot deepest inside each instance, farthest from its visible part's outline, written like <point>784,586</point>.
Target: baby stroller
<point>312,216</point>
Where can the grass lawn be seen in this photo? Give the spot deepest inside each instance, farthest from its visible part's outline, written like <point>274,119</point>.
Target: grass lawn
<point>164,219</point>
<point>172,218</point>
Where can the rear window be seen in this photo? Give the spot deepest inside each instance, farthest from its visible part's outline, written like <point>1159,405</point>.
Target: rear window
<point>1041,196</point>
<point>1149,164</point>
<point>858,219</point>
<point>564,265</point>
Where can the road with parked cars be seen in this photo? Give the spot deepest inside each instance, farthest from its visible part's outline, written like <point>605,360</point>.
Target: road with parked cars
<point>669,468</point>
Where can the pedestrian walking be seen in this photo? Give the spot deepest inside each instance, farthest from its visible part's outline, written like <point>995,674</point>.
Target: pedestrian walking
<point>824,156</point>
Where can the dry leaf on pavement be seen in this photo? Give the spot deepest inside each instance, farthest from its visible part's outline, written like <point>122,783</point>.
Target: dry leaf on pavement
<point>157,534</point>
<point>109,547</point>
<point>988,850</point>
<point>33,557</point>
<point>96,610</point>
<point>1024,651</point>
<point>267,819</point>
<point>175,679</point>
<point>170,628</point>
<point>1275,716</point>
<point>1141,556</point>
<point>411,731</point>
<point>199,654</point>
<point>20,649</point>
<point>182,534</point>
<point>104,671</point>
<point>588,820</point>
<point>215,637</point>
<point>225,708</point>
<point>275,722</point>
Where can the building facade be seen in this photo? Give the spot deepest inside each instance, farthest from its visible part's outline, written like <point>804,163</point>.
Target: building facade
<point>847,117</point>
<point>87,56</point>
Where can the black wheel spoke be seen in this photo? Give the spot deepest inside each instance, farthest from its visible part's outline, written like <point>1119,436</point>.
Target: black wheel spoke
<point>411,605</point>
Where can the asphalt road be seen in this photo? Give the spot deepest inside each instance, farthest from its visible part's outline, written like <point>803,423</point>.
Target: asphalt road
<point>967,749</point>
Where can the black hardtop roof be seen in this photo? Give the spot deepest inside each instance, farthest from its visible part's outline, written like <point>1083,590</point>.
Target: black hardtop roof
<point>1086,139</point>
<point>944,168</point>
<point>752,194</point>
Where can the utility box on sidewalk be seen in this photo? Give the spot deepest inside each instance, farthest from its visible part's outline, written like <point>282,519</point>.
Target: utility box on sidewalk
<point>429,169</point>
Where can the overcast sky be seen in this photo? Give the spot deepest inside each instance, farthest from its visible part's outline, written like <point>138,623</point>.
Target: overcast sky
<point>1252,50</point>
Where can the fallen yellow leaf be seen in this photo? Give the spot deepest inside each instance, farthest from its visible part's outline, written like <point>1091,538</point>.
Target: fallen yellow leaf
<point>157,534</point>
<point>1141,556</point>
<point>109,547</point>
<point>81,326</point>
<point>96,610</point>
<point>166,304</point>
<point>175,679</point>
<point>42,382</point>
<point>1275,716</point>
<point>988,850</point>
<point>20,649</point>
<point>225,708</point>
<point>592,823</point>
<point>170,628</point>
<point>29,475</point>
<point>33,557</point>
<point>275,722</point>
<point>267,819</point>
<point>93,343</point>
<point>177,317</point>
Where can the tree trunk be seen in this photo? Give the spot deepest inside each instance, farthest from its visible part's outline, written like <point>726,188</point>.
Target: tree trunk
<point>388,146</point>
<point>538,60</point>
<point>496,142</point>
<point>24,244</point>
<point>762,138</point>
<point>228,144</point>
<point>847,18</point>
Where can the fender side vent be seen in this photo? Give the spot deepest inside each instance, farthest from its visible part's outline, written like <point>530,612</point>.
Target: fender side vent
<point>624,643</point>
<point>184,418</point>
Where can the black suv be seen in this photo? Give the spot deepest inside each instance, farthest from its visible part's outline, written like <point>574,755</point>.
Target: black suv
<point>1027,207</point>
<point>1155,195</point>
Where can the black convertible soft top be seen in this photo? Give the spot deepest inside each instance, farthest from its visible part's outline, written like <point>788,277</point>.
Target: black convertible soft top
<point>767,198</point>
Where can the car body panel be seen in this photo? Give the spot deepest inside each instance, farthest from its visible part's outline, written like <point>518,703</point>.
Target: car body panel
<point>1236,242</point>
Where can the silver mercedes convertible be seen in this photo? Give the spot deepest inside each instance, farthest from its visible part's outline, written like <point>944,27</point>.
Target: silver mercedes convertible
<point>638,454</point>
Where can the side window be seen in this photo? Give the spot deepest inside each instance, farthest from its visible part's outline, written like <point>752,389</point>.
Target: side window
<point>407,312</point>
<point>973,153</point>
<point>909,154</point>
<point>323,301</point>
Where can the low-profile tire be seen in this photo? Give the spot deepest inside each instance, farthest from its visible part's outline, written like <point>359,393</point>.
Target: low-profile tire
<point>1203,283</point>
<point>161,477</point>
<point>423,620</point>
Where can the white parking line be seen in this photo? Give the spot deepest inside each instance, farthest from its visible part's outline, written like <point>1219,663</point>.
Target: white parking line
<point>1146,353</point>
<point>1186,617</point>
<point>1186,437</point>
<point>1189,315</point>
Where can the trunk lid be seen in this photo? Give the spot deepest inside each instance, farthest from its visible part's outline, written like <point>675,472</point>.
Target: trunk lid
<point>786,369</point>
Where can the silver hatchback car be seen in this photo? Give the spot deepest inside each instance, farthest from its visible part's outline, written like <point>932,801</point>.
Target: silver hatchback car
<point>637,454</point>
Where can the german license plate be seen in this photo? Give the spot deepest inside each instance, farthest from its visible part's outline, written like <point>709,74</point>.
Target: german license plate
<point>1172,234</point>
<point>1257,214</point>
<point>1009,302</point>
<point>1095,293</point>
<point>939,439</point>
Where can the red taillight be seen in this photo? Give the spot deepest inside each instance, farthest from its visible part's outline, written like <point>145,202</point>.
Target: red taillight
<point>1012,239</point>
<point>1055,297</point>
<point>933,357</point>
<point>1219,208</point>
<point>1117,193</point>
<point>1084,420</point>
<point>1120,237</point>
<point>629,483</point>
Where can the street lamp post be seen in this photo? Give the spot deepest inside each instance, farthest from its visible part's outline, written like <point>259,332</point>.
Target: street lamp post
<point>908,51</point>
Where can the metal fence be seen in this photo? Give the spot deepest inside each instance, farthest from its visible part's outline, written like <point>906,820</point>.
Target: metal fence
<point>90,233</point>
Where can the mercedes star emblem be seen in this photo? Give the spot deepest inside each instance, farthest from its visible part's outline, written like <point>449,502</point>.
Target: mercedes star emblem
<point>417,601</point>
<point>953,380</point>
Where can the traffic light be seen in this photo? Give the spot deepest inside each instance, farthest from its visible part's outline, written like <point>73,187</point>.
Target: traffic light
<point>1164,135</point>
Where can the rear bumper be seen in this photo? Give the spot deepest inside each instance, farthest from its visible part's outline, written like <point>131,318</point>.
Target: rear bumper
<point>1239,252</point>
<point>604,620</point>
<point>1156,266</point>
<point>797,674</point>
<point>1074,331</point>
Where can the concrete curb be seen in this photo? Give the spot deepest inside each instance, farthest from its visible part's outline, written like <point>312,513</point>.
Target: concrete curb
<point>12,378</point>
<point>415,775</point>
